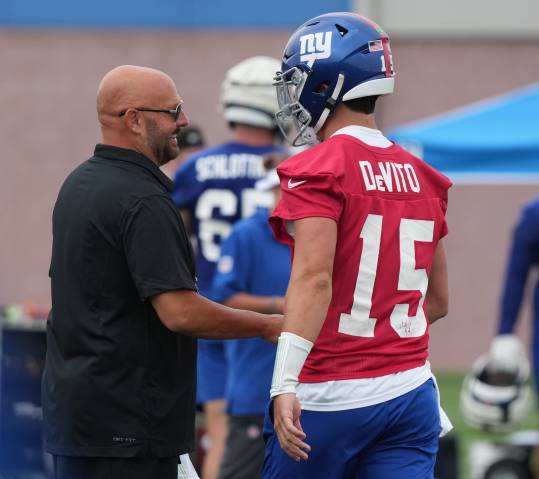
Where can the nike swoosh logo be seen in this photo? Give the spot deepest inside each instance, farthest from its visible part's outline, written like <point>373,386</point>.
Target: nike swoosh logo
<point>293,184</point>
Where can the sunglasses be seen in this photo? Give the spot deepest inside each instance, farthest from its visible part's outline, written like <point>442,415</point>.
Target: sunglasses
<point>175,113</point>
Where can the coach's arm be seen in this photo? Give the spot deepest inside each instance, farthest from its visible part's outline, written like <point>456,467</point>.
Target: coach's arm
<point>187,312</point>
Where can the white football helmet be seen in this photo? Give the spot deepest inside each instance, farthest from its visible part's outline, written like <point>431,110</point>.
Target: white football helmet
<point>248,95</point>
<point>497,399</point>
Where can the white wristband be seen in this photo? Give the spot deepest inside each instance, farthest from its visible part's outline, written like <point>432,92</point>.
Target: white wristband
<point>292,351</point>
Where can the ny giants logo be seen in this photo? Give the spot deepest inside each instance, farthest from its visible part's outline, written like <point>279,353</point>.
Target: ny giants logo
<point>315,46</point>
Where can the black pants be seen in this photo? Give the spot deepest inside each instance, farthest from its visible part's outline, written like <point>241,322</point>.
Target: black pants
<point>66,467</point>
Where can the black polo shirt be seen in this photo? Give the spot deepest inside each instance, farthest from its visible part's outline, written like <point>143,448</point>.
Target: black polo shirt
<point>117,382</point>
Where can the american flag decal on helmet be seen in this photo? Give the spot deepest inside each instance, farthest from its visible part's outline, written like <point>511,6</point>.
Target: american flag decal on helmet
<point>375,46</point>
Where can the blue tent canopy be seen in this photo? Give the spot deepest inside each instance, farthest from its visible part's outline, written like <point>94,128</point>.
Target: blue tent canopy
<point>495,140</point>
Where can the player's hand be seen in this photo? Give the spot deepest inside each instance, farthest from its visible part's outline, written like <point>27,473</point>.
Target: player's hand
<point>286,412</point>
<point>274,325</point>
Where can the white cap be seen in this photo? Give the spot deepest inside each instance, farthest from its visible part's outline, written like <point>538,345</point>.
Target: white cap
<point>248,95</point>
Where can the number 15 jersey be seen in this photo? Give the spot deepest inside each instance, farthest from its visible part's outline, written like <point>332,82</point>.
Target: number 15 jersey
<point>389,207</point>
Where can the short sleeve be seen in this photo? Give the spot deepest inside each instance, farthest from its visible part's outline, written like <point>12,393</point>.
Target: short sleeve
<point>445,184</point>
<point>438,186</point>
<point>157,249</point>
<point>305,196</point>
<point>231,274</point>
<point>444,230</point>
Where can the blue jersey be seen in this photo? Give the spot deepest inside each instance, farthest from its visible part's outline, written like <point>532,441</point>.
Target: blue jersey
<point>252,262</point>
<point>523,257</point>
<point>216,186</point>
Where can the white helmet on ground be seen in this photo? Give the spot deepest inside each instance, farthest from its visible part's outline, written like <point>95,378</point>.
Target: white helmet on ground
<point>248,95</point>
<point>496,398</point>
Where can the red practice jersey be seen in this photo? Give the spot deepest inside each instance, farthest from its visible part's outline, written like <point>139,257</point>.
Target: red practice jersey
<point>389,207</point>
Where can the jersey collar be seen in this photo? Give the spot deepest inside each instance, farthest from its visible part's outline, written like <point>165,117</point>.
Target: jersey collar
<point>368,136</point>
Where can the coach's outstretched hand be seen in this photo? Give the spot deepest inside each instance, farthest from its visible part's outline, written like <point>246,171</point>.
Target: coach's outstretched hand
<point>286,412</point>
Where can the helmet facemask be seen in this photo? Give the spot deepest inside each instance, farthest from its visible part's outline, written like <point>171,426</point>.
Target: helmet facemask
<point>293,118</point>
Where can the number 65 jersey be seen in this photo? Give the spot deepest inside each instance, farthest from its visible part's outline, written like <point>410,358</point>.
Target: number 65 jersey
<point>389,207</point>
<point>216,187</point>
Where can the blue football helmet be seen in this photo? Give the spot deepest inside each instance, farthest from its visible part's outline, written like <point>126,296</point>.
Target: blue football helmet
<point>330,59</point>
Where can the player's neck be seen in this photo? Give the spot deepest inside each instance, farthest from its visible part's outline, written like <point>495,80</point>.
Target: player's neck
<point>343,117</point>
<point>253,136</point>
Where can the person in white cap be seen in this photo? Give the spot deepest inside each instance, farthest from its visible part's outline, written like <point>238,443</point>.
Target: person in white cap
<point>253,274</point>
<point>214,189</point>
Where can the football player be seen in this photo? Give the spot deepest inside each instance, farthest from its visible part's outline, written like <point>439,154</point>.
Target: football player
<point>353,393</point>
<point>214,189</point>
<point>523,257</point>
<point>253,274</point>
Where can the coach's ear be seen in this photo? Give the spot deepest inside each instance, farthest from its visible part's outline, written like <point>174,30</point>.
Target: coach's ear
<point>134,122</point>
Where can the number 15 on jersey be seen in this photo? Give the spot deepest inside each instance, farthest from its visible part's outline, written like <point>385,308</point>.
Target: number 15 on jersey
<point>359,322</point>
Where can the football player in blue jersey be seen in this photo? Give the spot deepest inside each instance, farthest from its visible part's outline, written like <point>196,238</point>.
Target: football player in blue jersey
<point>214,189</point>
<point>523,258</point>
<point>507,353</point>
<point>252,274</point>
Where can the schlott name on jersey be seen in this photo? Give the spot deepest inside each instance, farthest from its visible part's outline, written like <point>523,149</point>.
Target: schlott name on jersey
<point>236,165</point>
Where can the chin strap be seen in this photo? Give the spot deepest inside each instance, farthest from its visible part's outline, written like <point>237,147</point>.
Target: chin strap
<point>330,103</point>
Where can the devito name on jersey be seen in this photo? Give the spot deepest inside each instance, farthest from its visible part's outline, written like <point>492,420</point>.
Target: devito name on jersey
<point>390,176</point>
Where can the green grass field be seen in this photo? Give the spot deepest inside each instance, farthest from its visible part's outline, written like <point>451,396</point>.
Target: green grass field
<point>450,384</point>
